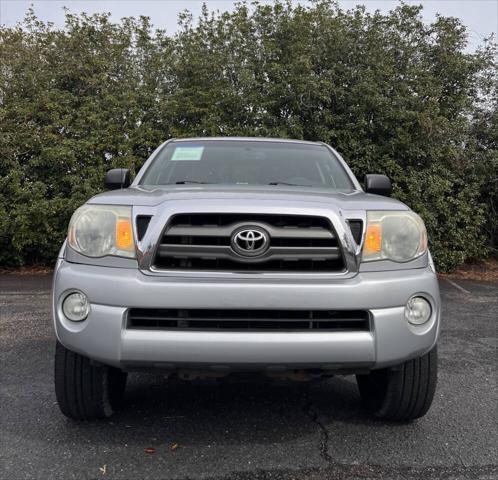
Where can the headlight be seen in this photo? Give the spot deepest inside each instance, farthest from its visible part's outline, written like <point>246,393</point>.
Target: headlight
<point>99,230</point>
<point>397,236</point>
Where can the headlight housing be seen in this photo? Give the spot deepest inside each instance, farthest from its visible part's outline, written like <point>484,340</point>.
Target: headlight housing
<point>397,236</point>
<point>100,230</point>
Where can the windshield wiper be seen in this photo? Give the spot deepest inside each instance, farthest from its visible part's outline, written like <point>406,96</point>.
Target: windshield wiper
<point>289,184</point>
<point>184,182</point>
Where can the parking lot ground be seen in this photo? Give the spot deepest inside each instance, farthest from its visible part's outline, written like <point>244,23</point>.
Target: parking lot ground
<point>245,428</point>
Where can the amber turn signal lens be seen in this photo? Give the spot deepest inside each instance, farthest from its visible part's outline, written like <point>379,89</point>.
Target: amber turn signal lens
<point>124,234</point>
<point>373,239</point>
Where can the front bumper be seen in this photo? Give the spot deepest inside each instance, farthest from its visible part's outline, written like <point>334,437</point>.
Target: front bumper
<point>103,336</point>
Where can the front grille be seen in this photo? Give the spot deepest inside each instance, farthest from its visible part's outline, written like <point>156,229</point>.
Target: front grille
<point>202,242</point>
<point>248,320</point>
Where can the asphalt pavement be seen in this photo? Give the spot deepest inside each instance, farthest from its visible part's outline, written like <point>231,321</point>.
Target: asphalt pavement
<point>245,428</point>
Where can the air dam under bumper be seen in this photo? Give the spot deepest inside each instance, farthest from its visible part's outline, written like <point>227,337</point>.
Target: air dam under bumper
<point>103,336</point>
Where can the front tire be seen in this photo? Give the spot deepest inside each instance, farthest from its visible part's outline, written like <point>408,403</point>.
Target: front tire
<point>401,393</point>
<point>85,391</point>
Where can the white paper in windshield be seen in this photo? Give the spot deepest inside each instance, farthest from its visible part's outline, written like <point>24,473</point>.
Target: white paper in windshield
<point>187,154</point>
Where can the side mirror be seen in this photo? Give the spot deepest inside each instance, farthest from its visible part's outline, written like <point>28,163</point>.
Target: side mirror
<point>378,184</point>
<point>117,178</point>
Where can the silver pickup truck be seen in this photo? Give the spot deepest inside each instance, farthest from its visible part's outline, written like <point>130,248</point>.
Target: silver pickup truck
<point>246,254</point>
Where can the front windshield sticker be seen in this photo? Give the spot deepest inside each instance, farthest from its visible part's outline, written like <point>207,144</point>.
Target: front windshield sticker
<point>187,154</point>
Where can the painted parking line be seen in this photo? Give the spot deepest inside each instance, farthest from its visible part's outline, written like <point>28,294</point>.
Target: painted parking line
<point>458,287</point>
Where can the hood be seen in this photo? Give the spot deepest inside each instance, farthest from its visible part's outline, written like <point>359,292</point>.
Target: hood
<point>155,195</point>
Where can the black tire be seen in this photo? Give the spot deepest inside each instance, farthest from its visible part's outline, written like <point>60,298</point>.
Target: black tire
<point>401,393</point>
<point>85,391</point>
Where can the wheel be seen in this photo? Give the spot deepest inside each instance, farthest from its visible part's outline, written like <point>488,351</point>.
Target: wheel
<point>85,391</point>
<point>401,393</point>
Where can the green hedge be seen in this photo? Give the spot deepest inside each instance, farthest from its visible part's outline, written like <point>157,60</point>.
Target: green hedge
<point>392,94</point>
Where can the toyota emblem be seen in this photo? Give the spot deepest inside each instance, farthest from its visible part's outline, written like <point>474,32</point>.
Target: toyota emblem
<point>250,241</point>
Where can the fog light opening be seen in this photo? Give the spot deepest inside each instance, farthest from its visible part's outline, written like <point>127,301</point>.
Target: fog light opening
<point>418,311</point>
<point>76,307</point>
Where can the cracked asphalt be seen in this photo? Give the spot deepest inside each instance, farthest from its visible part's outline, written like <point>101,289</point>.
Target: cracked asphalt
<point>248,427</point>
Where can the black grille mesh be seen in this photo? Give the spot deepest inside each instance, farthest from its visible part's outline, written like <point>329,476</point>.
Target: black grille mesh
<point>248,320</point>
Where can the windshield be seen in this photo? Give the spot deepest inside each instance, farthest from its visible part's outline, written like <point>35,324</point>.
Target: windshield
<point>243,162</point>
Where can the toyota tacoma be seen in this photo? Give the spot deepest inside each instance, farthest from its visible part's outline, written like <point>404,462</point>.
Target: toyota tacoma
<point>227,255</point>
